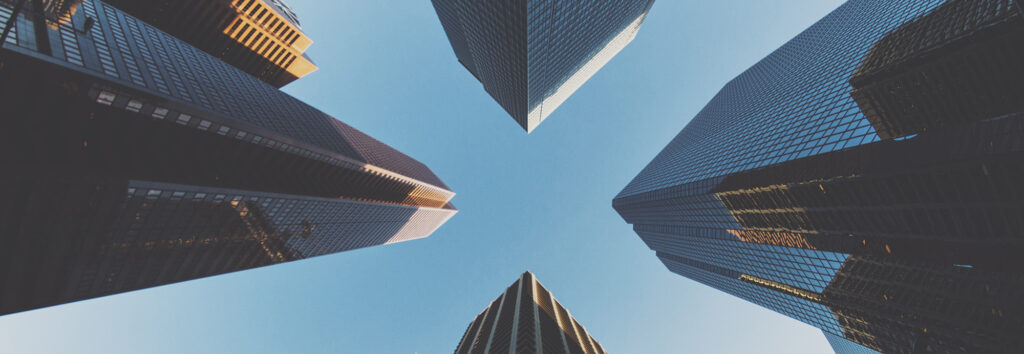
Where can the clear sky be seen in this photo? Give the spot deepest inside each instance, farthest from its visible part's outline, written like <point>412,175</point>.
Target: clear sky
<point>540,202</point>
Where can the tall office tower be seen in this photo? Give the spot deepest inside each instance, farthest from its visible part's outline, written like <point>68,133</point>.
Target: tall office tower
<point>261,37</point>
<point>864,178</point>
<point>526,319</point>
<point>844,346</point>
<point>531,55</point>
<point>132,160</point>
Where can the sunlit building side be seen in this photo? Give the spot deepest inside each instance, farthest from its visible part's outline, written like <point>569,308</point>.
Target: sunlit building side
<point>526,318</point>
<point>261,37</point>
<point>531,55</point>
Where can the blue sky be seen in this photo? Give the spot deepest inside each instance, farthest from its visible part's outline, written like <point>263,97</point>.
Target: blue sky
<point>540,202</point>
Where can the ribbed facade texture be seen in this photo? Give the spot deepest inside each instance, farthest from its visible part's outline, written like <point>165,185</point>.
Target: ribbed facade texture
<point>531,55</point>
<point>261,37</point>
<point>133,159</point>
<point>526,318</point>
<point>864,178</point>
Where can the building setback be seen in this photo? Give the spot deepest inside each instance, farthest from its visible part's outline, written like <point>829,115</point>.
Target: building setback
<point>864,178</point>
<point>526,318</point>
<point>133,159</point>
<point>531,55</point>
<point>261,37</point>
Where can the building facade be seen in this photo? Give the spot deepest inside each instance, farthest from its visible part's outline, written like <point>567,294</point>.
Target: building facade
<point>261,37</point>
<point>526,318</point>
<point>844,346</point>
<point>531,55</point>
<point>133,159</point>
<point>864,178</point>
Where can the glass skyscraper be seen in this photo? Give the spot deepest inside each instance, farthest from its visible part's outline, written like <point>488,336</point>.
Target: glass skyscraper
<point>844,346</point>
<point>132,159</point>
<point>261,37</point>
<point>526,318</point>
<point>864,178</point>
<point>531,55</point>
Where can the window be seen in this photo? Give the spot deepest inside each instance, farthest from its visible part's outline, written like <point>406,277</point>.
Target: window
<point>106,97</point>
<point>159,113</point>
<point>134,105</point>
<point>204,124</point>
<point>183,119</point>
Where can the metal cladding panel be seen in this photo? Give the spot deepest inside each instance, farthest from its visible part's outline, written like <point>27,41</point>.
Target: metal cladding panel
<point>530,55</point>
<point>782,192</point>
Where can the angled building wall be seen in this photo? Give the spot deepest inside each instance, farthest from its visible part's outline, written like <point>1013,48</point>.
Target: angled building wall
<point>531,55</point>
<point>261,37</point>
<point>526,318</point>
<point>134,160</point>
<point>864,178</point>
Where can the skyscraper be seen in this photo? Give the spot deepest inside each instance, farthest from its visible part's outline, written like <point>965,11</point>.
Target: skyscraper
<point>526,318</point>
<point>844,346</point>
<point>133,159</point>
<point>261,37</point>
<point>864,178</point>
<point>531,55</point>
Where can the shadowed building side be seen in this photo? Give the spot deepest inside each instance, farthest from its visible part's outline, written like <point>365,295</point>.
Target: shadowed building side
<point>852,180</point>
<point>53,12</point>
<point>73,237</point>
<point>143,70</point>
<point>143,161</point>
<point>912,80</point>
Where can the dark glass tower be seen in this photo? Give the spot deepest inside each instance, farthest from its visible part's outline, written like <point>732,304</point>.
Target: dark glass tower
<point>527,319</point>
<point>864,178</point>
<point>132,159</point>
<point>531,55</point>
<point>844,346</point>
<point>261,37</point>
